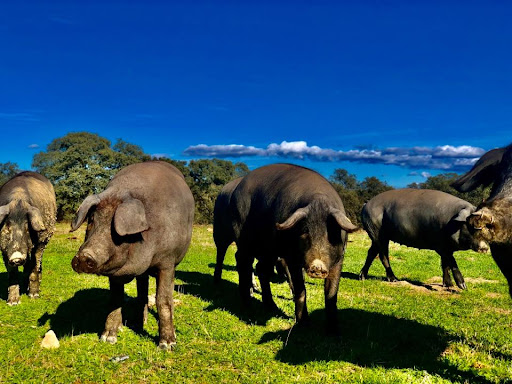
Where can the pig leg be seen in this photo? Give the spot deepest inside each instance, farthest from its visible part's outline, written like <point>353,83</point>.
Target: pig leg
<point>244,266</point>
<point>36,270</point>
<point>13,291</point>
<point>372,254</point>
<point>447,280</point>
<point>221,253</point>
<point>457,276</point>
<point>301,309</point>
<point>142,299</point>
<point>282,268</point>
<point>115,317</point>
<point>384,258</point>
<point>264,270</point>
<point>331,286</point>
<point>165,307</point>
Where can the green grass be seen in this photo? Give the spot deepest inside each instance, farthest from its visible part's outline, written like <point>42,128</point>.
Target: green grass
<point>405,332</point>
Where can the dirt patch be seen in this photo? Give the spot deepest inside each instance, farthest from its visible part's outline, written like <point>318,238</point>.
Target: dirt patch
<point>501,311</point>
<point>494,295</point>
<point>427,288</point>
<point>435,280</point>
<point>480,280</point>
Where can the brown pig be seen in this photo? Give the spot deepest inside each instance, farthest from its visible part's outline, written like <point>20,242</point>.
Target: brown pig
<point>27,222</point>
<point>140,225</point>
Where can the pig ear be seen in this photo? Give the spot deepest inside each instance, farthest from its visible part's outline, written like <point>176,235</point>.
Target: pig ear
<point>4,211</point>
<point>130,217</point>
<point>343,221</point>
<point>35,219</point>
<point>296,216</point>
<point>479,219</point>
<point>463,215</point>
<point>81,214</point>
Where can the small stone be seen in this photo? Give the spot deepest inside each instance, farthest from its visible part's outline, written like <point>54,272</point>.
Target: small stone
<point>151,301</point>
<point>119,359</point>
<point>50,340</point>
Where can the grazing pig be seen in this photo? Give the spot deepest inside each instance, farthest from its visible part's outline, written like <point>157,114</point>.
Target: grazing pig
<point>292,212</point>
<point>224,235</point>
<point>27,222</point>
<point>492,222</point>
<point>140,225</point>
<point>419,218</point>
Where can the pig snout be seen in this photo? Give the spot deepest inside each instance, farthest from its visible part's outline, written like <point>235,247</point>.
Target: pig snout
<point>317,269</point>
<point>483,247</point>
<point>84,262</point>
<point>17,259</point>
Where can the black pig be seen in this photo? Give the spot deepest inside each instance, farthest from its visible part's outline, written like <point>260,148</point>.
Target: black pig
<point>287,211</point>
<point>420,218</point>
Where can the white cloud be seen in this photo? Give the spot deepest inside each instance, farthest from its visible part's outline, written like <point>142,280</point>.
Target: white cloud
<point>33,146</point>
<point>426,175</point>
<point>444,157</point>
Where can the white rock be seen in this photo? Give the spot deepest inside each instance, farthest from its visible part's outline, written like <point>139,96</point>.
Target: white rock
<point>151,301</point>
<point>50,340</point>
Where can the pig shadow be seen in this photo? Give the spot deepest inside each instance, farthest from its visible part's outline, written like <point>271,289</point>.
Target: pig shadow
<point>225,296</point>
<point>86,312</point>
<point>372,340</point>
<point>276,277</point>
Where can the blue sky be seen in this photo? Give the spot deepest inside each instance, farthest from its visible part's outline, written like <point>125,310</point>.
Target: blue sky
<point>395,89</point>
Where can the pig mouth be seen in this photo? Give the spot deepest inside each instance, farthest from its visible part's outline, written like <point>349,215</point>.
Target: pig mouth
<point>317,275</point>
<point>482,248</point>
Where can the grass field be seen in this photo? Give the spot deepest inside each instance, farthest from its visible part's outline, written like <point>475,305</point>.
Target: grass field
<point>408,332</point>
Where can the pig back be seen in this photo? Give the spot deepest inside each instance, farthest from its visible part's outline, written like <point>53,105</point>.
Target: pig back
<point>270,194</point>
<point>167,200</point>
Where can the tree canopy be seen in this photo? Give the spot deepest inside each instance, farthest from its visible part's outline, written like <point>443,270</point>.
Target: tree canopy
<point>8,170</point>
<point>80,164</point>
<point>443,181</point>
<point>355,193</point>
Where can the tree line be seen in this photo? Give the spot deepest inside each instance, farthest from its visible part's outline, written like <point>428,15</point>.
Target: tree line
<point>82,163</point>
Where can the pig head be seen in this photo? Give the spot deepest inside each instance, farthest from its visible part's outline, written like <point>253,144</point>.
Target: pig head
<point>318,232</point>
<point>115,226</point>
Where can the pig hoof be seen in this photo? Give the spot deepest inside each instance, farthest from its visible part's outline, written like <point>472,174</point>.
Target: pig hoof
<point>10,303</point>
<point>164,346</point>
<point>33,295</point>
<point>363,276</point>
<point>462,285</point>
<point>111,339</point>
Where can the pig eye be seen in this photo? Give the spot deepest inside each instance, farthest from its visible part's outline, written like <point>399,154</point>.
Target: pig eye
<point>304,235</point>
